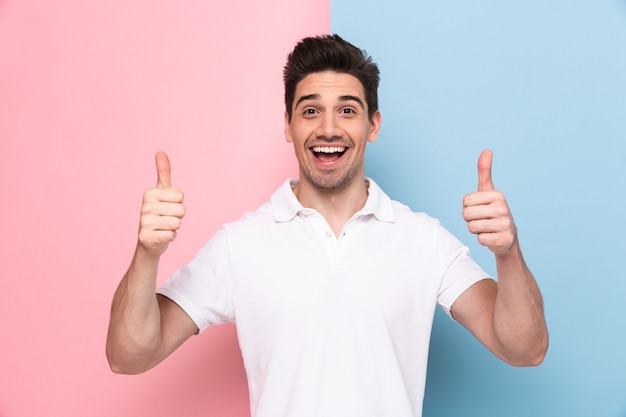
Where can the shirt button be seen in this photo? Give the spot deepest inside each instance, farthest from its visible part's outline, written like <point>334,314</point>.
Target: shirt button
<point>328,234</point>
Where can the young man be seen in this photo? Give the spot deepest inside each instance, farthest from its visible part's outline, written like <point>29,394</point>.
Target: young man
<point>333,286</point>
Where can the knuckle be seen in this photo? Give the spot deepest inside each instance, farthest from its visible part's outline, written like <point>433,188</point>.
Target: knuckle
<point>145,221</point>
<point>175,195</point>
<point>508,226</point>
<point>150,194</point>
<point>484,240</point>
<point>502,210</point>
<point>145,238</point>
<point>167,236</point>
<point>147,208</point>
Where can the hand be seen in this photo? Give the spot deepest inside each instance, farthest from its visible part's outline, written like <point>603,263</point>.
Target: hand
<point>487,213</point>
<point>162,210</point>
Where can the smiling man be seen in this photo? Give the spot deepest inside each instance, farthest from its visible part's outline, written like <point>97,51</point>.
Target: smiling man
<point>332,285</point>
<point>329,127</point>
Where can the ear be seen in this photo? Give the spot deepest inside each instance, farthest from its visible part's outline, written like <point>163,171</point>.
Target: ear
<point>288,136</point>
<point>374,126</point>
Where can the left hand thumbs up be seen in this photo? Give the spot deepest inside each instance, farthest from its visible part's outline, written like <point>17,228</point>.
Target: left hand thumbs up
<point>487,213</point>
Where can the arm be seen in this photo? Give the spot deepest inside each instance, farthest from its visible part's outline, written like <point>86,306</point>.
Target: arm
<point>507,316</point>
<point>145,328</point>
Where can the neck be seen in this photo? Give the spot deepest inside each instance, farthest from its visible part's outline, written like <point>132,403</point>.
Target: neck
<point>337,206</point>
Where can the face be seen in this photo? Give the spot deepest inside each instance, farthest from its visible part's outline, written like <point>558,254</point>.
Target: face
<point>329,129</point>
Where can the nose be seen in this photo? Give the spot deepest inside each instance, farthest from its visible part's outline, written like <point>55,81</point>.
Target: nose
<point>329,126</point>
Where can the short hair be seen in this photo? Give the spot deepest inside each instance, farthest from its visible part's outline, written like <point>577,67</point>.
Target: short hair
<point>330,53</point>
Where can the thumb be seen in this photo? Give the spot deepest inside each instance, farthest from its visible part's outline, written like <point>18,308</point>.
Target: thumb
<point>164,170</point>
<point>484,171</point>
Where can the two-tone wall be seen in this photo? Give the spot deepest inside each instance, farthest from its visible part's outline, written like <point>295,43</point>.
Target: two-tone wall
<point>89,91</point>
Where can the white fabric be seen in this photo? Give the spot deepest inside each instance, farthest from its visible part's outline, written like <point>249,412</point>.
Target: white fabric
<point>328,326</point>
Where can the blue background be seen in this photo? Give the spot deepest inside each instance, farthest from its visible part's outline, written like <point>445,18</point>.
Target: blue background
<point>542,84</point>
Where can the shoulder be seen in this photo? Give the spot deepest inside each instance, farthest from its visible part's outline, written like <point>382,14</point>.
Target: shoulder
<point>410,224</point>
<point>405,216</point>
<point>281,204</point>
<point>392,211</point>
<point>251,220</point>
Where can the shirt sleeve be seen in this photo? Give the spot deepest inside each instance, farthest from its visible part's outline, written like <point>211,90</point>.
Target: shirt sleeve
<point>202,288</point>
<point>460,271</point>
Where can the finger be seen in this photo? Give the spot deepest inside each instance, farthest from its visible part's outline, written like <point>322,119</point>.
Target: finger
<point>172,210</point>
<point>478,198</point>
<point>484,171</point>
<point>160,222</point>
<point>164,170</point>
<point>162,208</point>
<point>479,226</point>
<point>169,195</point>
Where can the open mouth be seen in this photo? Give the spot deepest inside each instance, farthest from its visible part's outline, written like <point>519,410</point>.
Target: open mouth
<point>328,153</point>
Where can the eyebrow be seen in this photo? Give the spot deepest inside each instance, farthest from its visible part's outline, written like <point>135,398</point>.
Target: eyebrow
<point>341,98</point>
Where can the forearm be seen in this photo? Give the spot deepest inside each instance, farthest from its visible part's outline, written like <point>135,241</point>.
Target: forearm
<point>135,326</point>
<point>519,321</point>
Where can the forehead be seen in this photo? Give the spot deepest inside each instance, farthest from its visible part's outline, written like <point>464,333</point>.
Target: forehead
<point>330,84</point>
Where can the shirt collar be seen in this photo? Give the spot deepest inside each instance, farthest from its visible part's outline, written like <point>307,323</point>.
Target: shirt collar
<point>286,206</point>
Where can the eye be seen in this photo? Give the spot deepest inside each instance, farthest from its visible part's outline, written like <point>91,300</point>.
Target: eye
<point>309,111</point>
<point>348,111</point>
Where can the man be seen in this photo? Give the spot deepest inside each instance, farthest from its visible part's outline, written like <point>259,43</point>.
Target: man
<point>333,286</point>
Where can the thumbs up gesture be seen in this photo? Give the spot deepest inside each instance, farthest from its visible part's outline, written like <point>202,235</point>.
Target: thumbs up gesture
<point>487,213</point>
<point>162,210</point>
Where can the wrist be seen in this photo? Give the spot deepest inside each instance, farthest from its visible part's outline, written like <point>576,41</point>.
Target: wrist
<point>143,254</point>
<point>513,251</point>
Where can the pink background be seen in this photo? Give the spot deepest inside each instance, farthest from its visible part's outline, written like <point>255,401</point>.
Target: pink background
<point>89,91</point>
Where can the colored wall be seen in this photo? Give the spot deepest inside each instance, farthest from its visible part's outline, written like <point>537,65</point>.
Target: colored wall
<point>544,85</point>
<point>89,91</point>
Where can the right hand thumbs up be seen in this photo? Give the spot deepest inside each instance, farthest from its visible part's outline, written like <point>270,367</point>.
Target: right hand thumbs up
<point>162,210</point>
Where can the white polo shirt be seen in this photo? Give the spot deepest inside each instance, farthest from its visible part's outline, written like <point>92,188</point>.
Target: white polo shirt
<point>328,326</point>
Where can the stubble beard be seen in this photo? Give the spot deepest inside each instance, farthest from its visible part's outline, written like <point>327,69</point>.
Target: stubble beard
<point>329,180</point>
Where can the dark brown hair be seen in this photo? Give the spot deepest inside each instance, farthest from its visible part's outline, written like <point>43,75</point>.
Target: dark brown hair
<point>330,53</point>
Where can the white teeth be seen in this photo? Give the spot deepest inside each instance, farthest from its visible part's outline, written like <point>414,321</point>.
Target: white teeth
<point>329,149</point>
